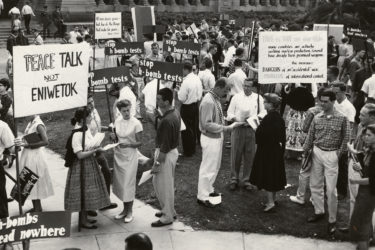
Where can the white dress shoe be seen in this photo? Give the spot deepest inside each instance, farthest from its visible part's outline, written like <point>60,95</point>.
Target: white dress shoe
<point>128,219</point>
<point>120,216</point>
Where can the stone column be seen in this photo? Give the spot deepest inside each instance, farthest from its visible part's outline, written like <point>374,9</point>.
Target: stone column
<point>144,2</point>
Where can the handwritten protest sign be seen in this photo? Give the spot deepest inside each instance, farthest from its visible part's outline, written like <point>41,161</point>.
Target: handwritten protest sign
<point>124,48</point>
<point>161,70</point>
<point>35,226</point>
<point>336,30</point>
<point>292,57</point>
<point>187,48</point>
<point>109,76</point>
<point>50,78</point>
<point>108,25</point>
<point>358,33</point>
<point>27,181</point>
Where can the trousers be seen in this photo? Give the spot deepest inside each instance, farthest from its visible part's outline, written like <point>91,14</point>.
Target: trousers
<point>212,149</point>
<point>353,188</point>
<point>3,194</point>
<point>190,116</point>
<point>303,181</point>
<point>243,147</point>
<point>163,183</point>
<point>324,167</point>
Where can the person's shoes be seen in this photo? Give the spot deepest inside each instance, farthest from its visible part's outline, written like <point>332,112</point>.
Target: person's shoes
<point>112,206</point>
<point>128,219</point>
<point>315,218</point>
<point>120,216</point>
<point>214,194</point>
<point>269,208</point>
<point>233,186</point>
<point>332,229</point>
<point>295,199</point>
<point>249,186</point>
<point>160,224</point>
<point>92,213</point>
<point>344,229</point>
<point>160,214</point>
<point>205,203</point>
<point>89,226</point>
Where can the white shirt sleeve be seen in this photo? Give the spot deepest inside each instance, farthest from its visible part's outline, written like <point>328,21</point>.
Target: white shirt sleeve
<point>365,87</point>
<point>261,104</point>
<point>77,142</point>
<point>183,92</point>
<point>211,81</point>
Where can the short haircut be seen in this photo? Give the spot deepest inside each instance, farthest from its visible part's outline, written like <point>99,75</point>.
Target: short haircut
<point>188,66</point>
<point>231,41</point>
<point>79,39</point>
<point>123,104</point>
<point>5,82</point>
<point>334,70</point>
<point>320,91</point>
<point>344,40</point>
<point>371,128</point>
<point>239,51</point>
<point>329,93</point>
<point>169,58</point>
<point>330,37</point>
<point>155,44</point>
<point>138,241</point>
<point>204,43</point>
<point>370,109</point>
<point>237,63</point>
<point>166,95</point>
<point>208,63</point>
<point>340,85</point>
<point>221,83</point>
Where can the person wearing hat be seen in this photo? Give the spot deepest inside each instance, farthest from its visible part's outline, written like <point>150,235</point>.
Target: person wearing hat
<point>268,173</point>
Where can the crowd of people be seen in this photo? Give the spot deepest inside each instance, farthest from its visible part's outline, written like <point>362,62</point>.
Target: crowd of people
<point>329,127</point>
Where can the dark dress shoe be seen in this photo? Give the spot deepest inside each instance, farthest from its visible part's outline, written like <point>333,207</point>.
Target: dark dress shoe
<point>233,186</point>
<point>332,228</point>
<point>112,206</point>
<point>205,203</point>
<point>160,214</point>
<point>89,227</point>
<point>315,218</point>
<point>214,194</point>
<point>92,213</point>
<point>160,224</point>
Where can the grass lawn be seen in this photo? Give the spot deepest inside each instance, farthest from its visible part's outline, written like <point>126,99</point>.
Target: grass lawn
<point>240,211</point>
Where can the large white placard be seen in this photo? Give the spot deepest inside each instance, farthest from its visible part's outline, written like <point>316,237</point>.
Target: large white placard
<point>50,78</point>
<point>336,30</point>
<point>107,25</point>
<point>292,57</point>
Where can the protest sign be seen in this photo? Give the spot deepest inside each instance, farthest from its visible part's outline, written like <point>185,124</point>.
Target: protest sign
<point>124,48</point>
<point>108,25</point>
<point>50,78</point>
<point>109,76</point>
<point>292,57</point>
<point>225,5</point>
<point>35,226</point>
<point>336,30</point>
<point>161,70</point>
<point>188,48</point>
<point>27,181</point>
<point>142,16</point>
<point>357,33</point>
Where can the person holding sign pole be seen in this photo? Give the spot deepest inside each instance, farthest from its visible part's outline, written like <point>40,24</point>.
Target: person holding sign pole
<point>128,131</point>
<point>190,93</point>
<point>33,157</point>
<point>95,191</point>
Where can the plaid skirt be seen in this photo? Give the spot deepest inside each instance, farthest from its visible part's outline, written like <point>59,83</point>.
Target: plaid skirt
<point>95,191</point>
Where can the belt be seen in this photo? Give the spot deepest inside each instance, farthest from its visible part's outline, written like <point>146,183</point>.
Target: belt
<point>326,149</point>
<point>193,103</point>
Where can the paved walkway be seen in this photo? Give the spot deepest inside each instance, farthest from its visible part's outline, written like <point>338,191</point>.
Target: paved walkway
<point>111,233</point>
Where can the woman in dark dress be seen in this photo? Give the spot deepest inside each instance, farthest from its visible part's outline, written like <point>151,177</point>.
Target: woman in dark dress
<point>361,220</point>
<point>268,171</point>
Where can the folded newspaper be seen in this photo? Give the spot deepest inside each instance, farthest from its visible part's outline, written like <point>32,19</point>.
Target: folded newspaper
<point>254,121</point>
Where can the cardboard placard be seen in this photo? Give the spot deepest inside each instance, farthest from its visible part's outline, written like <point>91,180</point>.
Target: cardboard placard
<point>27,181</point>
<point>292,57</point>
<point>188,48</point>
<point>50,78</point>
<point>161,70</point>
<point>108,25</point>
<point>35,226</point>
<point>124,48</point>
<point>109,76</point>
<point>336,30</point>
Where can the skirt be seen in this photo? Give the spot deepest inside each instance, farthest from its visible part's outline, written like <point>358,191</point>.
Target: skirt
<point>95,191</point>
<point>361,220</point>
<point>295,137</point>
<point>125,173</point>
<point>34,159</point>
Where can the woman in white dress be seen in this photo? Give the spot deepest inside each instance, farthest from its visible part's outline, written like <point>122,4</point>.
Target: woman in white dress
<point>128,131</point>
<point>33,157</point>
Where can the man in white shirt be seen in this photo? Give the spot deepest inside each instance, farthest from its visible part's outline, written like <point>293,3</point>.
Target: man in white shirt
<point>206,76</point>
<point>189,94</point>
<point>74,34</point>
<point>345,107</point>
<point>155,54</point>
<point>243,105</point>
<point>369,86</point>
<point>27,11</point>
<point>14,13</point>
<point>236,79</point>
<point>245,45</point>
<point>230,52</point>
